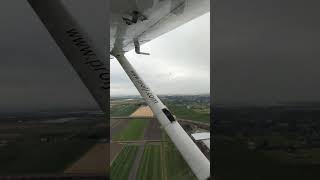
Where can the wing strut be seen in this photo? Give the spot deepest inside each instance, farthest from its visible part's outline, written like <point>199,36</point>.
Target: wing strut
<point>198,163</point>
<point>90,65</point>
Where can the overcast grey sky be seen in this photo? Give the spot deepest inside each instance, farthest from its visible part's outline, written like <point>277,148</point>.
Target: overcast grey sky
<point>34,74</point>
<point>179,62</point>
<point>266,51</point>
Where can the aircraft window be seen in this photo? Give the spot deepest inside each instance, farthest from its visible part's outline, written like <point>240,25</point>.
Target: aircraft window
<point>168,114</point>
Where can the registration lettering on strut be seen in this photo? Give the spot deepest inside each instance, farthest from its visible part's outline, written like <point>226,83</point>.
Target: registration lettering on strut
<point>144,88</point>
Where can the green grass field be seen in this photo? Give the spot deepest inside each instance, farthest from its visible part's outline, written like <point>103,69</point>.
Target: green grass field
<point>124,109</point>
<point>133,131</point>
<point>174,167</point>
<point>195,114</point>
<point>120,168</point>
<point>150,164</point>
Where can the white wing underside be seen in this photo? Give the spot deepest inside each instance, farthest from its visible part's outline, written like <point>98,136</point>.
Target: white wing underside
<point>161,16</point>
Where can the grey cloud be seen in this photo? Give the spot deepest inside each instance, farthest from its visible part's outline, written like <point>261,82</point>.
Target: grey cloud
<point>179,62</point>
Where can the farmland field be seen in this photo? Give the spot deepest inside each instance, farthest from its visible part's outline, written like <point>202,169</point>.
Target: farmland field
<point>156,158</point>
<point>133,131</point>
<point>115,149</point>
<point>142,111</point>
<point>174,167</point>
<point>195,112</point>
<point>43,144</point>
<point>231,153</point>
<point>120,168</point>
<point>44,157</point>
<point>123,109</point>
<point>150,165</point>
<point>94,161</point>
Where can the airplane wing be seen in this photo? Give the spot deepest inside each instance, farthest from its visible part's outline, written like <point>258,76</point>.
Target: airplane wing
<point>133,23</point>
